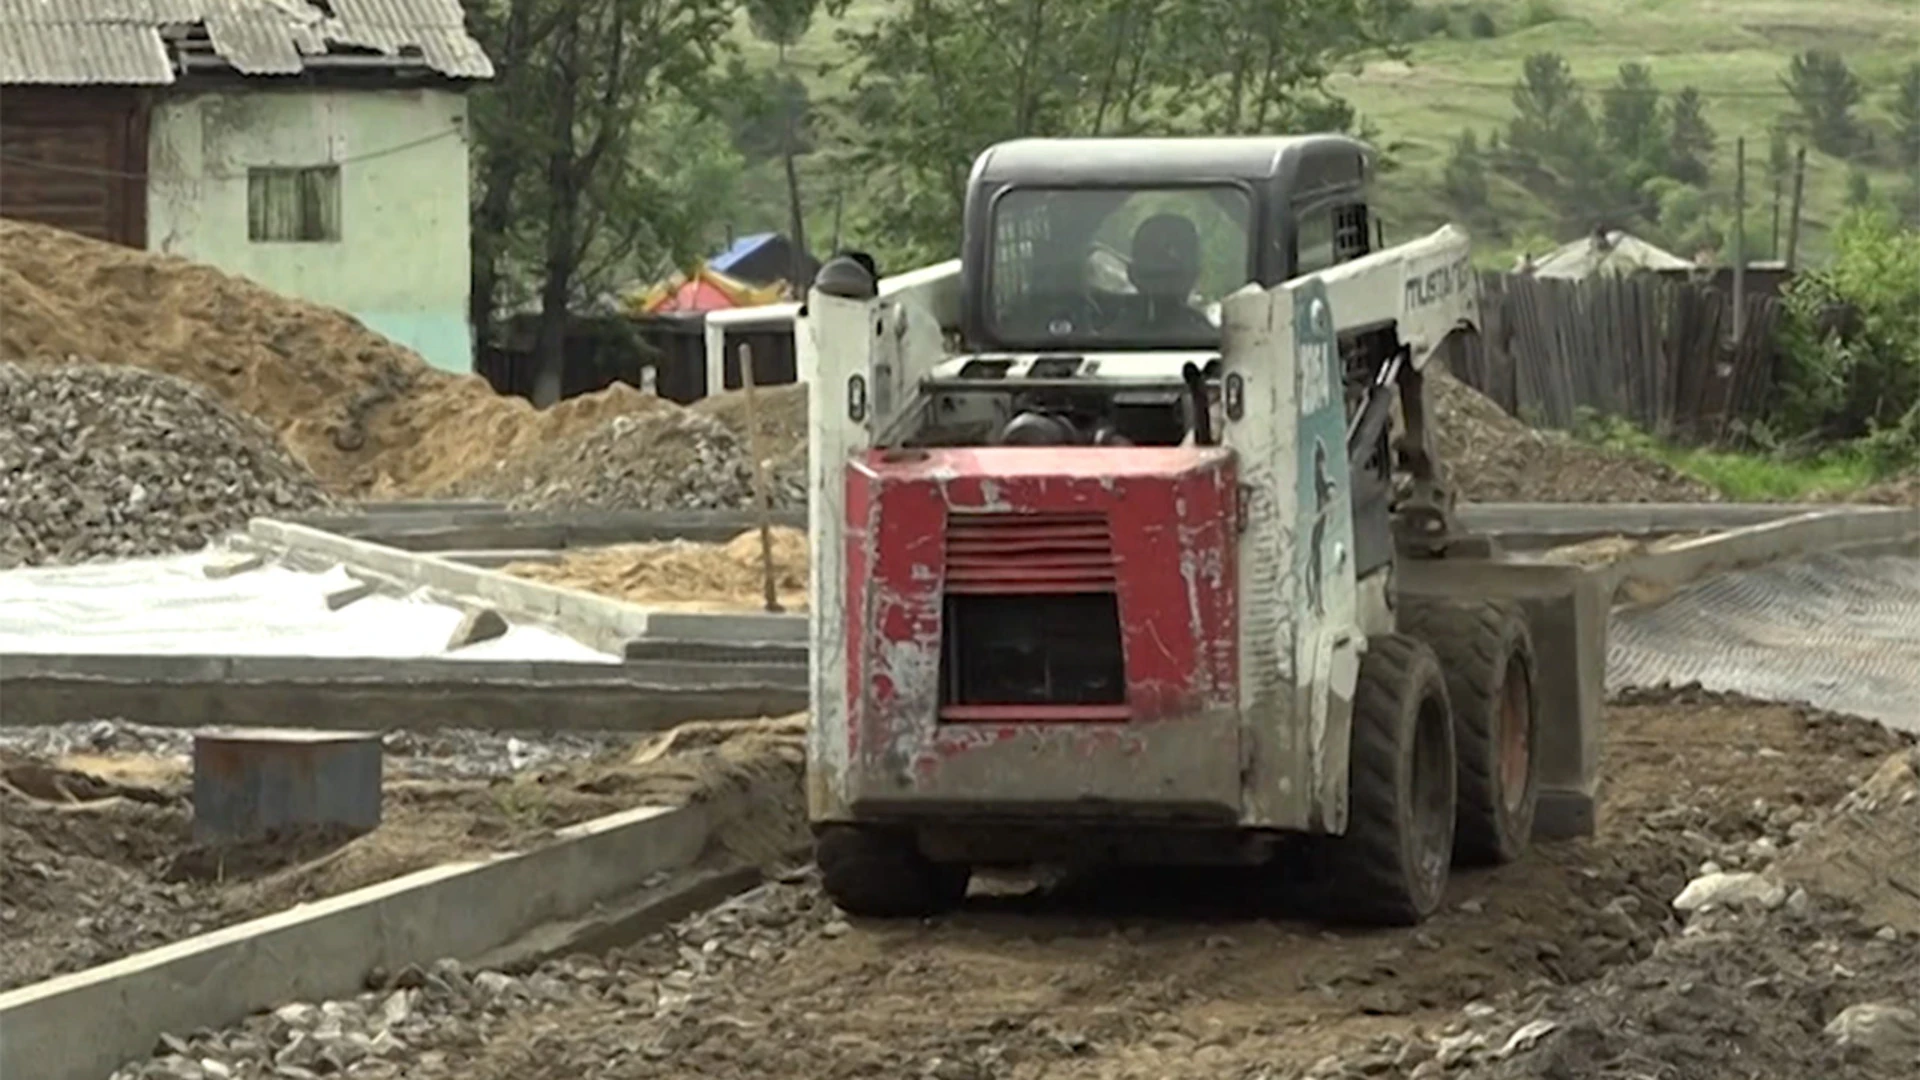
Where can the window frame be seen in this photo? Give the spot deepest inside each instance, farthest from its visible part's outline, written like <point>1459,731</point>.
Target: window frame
<point>318,209</point>
<point>1256,226</point>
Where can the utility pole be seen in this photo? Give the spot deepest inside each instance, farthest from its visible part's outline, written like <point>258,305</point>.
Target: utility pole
<point>1739,240</point>
<point>1793,215</point>
<point>1773,247</point>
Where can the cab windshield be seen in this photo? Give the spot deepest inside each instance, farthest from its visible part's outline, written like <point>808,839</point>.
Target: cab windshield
<point>1142,268</point>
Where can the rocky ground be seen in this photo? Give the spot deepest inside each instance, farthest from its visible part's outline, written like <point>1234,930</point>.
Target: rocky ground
<point>1574,964</point>
<point>97,859</point>
<point>115,462</point>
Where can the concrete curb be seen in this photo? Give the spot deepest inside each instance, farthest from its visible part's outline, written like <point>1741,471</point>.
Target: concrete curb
<point>596,621</point>
<point>1653,575</point>
<point>84,1025</point>
<point>340,694</point>
<point>445,529</point>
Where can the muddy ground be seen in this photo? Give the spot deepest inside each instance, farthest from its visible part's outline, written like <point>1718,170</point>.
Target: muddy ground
<point>1571,964</point>
<point>97,859</point>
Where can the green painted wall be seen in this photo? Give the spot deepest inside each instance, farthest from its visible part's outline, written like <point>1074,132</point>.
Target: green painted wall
<point>401,265</point>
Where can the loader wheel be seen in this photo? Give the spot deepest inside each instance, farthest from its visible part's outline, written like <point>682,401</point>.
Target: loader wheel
<point>879,872</point>
<point>1391,865</point>
<point>1487,653</point>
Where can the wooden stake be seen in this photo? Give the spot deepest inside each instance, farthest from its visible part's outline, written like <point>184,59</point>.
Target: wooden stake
<point>762,497</point>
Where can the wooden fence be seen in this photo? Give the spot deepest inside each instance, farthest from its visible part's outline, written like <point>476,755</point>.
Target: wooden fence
<point>1654,350</point>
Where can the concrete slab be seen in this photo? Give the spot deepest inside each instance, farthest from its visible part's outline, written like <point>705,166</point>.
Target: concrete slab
<point>350,694</point>
<point>85,1025</point>
<point>599,622</point>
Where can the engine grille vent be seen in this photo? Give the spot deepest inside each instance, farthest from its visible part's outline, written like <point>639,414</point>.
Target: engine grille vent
<point>1029,554</point>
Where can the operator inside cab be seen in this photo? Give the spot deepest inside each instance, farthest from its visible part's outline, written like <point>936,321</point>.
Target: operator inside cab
<point>1165,267</point>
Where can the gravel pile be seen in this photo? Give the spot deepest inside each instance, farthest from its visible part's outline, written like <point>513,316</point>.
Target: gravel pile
<point>115,462</point>
<point>667,459</point>
<point>368,417</point>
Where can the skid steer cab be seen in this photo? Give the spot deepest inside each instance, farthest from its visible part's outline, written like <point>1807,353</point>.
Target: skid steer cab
<point>1113,581</point>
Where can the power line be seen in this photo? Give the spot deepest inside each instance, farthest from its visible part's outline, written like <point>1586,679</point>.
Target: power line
<point>1781,94</point>
<point>116,174</point>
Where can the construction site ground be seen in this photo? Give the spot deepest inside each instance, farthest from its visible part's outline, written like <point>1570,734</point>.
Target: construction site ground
<point>98,861</point>
<point>1573,964</point>
<point>1202,974</point>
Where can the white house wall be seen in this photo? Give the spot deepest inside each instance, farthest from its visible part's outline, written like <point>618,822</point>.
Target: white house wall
<point>401,265</point>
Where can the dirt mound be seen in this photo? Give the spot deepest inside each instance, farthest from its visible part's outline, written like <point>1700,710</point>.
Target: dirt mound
<point>117,462</point>
<point>684,573</point>
<point>368,417</point>
<point>668,458</point>
<point>1867,856</point>
<point>1493,457</point>
<point>1899,491</point>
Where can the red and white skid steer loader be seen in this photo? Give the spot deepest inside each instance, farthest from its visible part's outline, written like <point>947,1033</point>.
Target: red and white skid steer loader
<point>1106,572</point>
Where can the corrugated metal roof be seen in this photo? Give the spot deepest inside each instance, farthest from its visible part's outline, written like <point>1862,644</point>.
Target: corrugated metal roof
<point>79,42</point>
<point>83,55</point>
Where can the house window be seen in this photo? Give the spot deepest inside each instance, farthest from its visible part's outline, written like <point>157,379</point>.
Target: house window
<point>293,205</point>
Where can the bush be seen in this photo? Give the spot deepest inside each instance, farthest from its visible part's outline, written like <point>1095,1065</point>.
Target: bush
<point>1480,25</point>
<point>1851,338</point>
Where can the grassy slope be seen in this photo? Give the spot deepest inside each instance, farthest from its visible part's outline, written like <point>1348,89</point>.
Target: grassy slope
<point>1732,50</point>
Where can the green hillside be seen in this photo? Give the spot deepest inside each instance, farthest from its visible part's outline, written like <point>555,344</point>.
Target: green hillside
<point>1733,52</point>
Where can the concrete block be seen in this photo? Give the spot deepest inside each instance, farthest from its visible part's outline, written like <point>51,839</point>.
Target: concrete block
<point>476,626</point>
<point>353,593</point>
<point>233,565</point>
<point>85,1025</point>
<point>247,783</point>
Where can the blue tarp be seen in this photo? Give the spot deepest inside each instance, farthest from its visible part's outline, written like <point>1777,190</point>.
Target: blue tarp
<point>742,248</point>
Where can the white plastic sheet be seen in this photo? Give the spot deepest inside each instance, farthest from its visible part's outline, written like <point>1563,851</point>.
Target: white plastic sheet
<point>168,606</point>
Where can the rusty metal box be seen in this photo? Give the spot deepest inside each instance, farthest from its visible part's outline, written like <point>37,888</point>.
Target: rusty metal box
<point>249,781</point>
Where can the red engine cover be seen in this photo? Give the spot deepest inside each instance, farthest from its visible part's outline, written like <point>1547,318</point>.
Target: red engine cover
<point>1154,526</point>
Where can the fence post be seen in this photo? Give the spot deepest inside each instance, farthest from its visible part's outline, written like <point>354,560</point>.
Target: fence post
<point>1739,240</point>
<point>1793,219</point>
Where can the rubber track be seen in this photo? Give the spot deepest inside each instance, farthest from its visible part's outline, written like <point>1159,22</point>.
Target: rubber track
<point>1836,632</point>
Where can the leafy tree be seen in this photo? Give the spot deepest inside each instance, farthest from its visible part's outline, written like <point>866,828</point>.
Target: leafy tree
<point>783,23</point>
<point>1851,336</point>
<point>1904,107</point>
<point>1859,188</point>
<point>1825,92</point>
<point>1465,177</point>
<point>1554,143</point>
<point>936,81</point>
<point>1690,139</point>
<point>1631,120</point>
<point>566,193</point>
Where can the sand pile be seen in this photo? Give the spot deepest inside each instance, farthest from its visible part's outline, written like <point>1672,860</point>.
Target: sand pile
<point>366,416</point>
<point>683,574</point>
<point>114,462</point>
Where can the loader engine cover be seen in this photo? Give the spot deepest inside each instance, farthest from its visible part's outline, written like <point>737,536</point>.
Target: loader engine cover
<point>1045,630</point>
